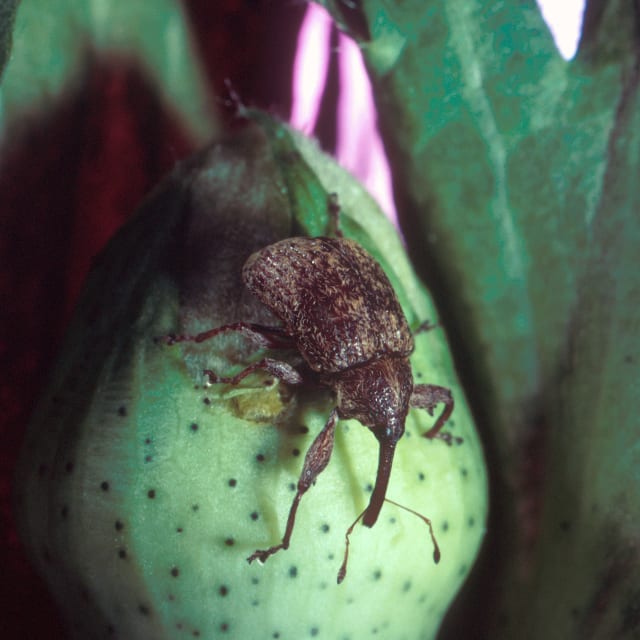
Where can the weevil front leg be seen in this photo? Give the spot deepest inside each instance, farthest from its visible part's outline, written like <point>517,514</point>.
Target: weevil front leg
<point>428,396</point>
<point>315,462</point>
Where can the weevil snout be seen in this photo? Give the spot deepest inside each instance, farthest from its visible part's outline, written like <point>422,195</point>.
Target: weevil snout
<point>378,395</point>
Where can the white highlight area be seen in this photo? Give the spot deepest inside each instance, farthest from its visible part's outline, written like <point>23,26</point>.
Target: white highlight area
<point>310,68</point>
<point>359,146</point>
<point>564,18</point>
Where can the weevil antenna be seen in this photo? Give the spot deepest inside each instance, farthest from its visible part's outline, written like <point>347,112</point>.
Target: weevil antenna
<point>343,567</point>
<point>436,549</point>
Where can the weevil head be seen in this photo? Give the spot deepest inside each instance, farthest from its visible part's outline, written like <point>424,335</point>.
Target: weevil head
<point>377,394</point>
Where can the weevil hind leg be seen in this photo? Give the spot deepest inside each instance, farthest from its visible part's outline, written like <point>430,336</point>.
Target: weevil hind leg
<point>428,396</point>
<point>315,462</point>
<point>277,368</point>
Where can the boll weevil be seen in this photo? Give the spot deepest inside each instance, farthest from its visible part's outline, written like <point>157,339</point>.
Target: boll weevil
<point>340,312</point>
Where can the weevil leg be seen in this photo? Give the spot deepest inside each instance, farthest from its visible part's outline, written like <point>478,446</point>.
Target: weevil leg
<point>282,370</point>
<point>333,209</point>
<point>267,337</point>
<point>427,396</point>
<point>315,462</point>
<point>425,326</point>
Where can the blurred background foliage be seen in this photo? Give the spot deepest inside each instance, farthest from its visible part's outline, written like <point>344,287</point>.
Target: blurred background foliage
<point>516,183</point>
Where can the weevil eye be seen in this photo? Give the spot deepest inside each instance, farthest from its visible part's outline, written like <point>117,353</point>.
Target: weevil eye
<point>390,433</point>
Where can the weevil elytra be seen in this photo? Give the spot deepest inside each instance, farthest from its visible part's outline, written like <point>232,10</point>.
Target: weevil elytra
<point>340,313</point>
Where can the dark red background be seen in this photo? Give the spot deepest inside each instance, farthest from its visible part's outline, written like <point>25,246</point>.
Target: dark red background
<point>66,183</point>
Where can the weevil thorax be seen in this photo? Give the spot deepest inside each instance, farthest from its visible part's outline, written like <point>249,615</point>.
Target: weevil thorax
<point>377,394</point>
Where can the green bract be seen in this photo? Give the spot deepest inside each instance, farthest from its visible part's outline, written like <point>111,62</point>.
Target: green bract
<point>143,490</point>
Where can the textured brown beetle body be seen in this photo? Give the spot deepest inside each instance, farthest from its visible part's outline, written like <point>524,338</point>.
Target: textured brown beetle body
<point>334,300</point>
<point>341,314</point>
